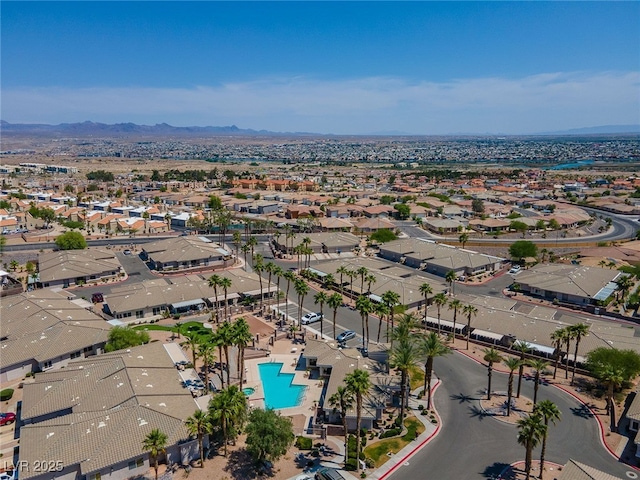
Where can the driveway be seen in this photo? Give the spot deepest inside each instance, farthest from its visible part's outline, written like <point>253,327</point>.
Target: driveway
<point>472,445</point>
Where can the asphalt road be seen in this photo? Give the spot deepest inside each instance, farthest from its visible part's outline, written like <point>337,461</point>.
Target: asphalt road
<point>471,445</point>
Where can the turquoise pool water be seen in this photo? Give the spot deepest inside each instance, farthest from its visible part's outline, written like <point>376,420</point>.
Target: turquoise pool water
<point>279,391</point>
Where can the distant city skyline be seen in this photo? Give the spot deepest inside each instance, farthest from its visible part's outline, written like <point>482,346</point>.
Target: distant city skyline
<point>424,68</point>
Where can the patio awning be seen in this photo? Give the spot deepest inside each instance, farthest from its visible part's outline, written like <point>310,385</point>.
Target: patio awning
<point>486,334</point>
<point>541,348</point>
<point>187,303</point>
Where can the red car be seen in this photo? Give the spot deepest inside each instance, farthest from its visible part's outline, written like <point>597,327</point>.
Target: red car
<point>7,418</point>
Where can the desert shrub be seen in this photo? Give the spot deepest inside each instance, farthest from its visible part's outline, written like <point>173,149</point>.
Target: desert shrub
<point>6,394</point>
<point>304,443</point>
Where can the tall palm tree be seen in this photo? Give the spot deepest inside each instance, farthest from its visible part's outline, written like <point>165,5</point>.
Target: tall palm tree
<point>225,283</point>
<point>362,272</point>
<point>228,409</point>
<point>426,290</point>
<point>440,300</point>
<point>623,285</point>
<point>531,430</point>
<point>549,412</point>
<point>342,270</point>
<point>392,299</point>
<point>404,355</point>
<point>214,282</point>
<point>225,337</point>
<point>245,249</point>
<point>301,288</point>
<point>455,305</point>
<point>290,277</point>
<point>217,340</point>
<point>538,366</point>
<point>258,267</point>
<point>470,311</point>
<point>155,443</point>
<point>328,280</point>
<point>270,268</point>
<point>198,425</point>
<point>567,343</point>
<point>279,273</point>
<point>334,301</point>
<point>512,364</point>
<point>557,339</point>
<point>364,307</point>
<point>491,356</point>
<point>578,331</point>
<point>321,298</point>
<point>191,342</point>
<point>371,280</point>
<point>382,310</point>
<point>237,242</point>
<point>358,383</point>
<point>242,336</point>
<point>431,346</point>
<point>463,238</point>
<point>351,274</point>
<point>253,243</point>
<point>612,378</point>
<point>342,401</point>
<point>450,278</point>
<point>205,352</point>
<point>522,347</point>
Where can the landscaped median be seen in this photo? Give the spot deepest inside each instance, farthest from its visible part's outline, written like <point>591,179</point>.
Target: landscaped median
<point>379,451</point>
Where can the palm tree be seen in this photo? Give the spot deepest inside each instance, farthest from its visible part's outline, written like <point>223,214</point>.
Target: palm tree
<point>225,283</point>
<point>246,248</point>
<point>362,272</point>
<point>567,342</point>
<point>342,401</point>
<point>426,290</point>
<point>334,302</point>
<point>623,284</point>
<point>252,242</point>
<point>549,411</point>
<point>155,443</point>
<point>214,282</point>
<point>371,280</point>
<point>358,383</point>
<point>224,335</point>
<point>351,274</point>
<point>463,239</point>
<point>469,311</point>
<point>321,298</point>
<point>191,342</point>
<point>241,335</point>
<point>392,299</point>
<point>217,341</point>
<point>538,366</point>
<point>328,280</point>
<point>228,409</point>
<point>455,305</point>
<point>205,352</point>
<point>612,378</point>
<point>491,356</point>
<point>403,357</point>
<point>290,277</point>
<point>531,430</point>
<point>557,339</point>
<point>430,347</point>
<point>512,364</point>
<point>237,241</point>
<point>440,300</point>
<point>382,310</point>
<point>258,267</point>
<point>522,347</point>
<point>450,278</point>
<point>198,425</point>
<point>270,268</point>
<point>279,273</point>
<point>365,307</point>
<point>342,270</point>
<point>301,288</point>
<point>578,331</point>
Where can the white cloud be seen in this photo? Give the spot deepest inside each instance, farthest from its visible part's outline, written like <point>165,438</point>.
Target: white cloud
<point>548,101</point>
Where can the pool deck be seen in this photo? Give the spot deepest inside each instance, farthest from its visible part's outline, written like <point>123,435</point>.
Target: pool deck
<point>283,353</point>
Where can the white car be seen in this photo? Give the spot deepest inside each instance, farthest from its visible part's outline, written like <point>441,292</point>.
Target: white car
<point>515,269</point>
<point>311,318</point>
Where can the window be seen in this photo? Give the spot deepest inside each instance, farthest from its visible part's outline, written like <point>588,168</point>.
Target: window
<point>47,364</point>
<point>137,463</point>
<point>95,476</point>
<point>140,462</point>
<point>75,355</point>
<point>139,313</point>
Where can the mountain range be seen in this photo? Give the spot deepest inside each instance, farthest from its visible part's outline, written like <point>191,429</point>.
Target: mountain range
<point>130,129</point>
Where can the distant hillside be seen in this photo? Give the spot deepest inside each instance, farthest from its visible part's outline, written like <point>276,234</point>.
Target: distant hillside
<point>93,128</point>
<point>602,129</point>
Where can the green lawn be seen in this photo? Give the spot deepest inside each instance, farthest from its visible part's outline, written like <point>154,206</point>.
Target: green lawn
<point>377,451</point>
<point>416,377</point>
<point>188,327</point>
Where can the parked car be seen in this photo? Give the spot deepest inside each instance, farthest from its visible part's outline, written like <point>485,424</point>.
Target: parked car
<point>127,252</point>
<point>97,297</point>
<point>344,336</point>
<point>7,418</point>
<point>311,318</point>
<point>515,269</point>
<point>328,474</point>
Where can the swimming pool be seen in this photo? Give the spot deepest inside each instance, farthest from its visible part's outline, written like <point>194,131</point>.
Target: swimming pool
<point>249,391</point>
<point>279,391</point>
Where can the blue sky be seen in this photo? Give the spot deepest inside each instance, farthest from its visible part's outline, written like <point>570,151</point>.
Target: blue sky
<point>326,67</point>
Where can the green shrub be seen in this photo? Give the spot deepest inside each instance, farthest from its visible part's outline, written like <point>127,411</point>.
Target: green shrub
<point>351,465</point>
<point>392,432</point>
<point>304,443</point>
<point>6,394</point>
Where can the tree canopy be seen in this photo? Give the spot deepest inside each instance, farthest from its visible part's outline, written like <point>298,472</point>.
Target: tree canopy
<point>602,358</point>
<point>404,211</point>
<point>71,241</point>
<point>522,249</point>
<point>125,337</point>
<point>383,235</point>
<point>269,435</point>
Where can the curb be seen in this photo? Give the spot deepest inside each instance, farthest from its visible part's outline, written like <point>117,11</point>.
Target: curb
<point>420,445</point>
<point>513,465</point>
